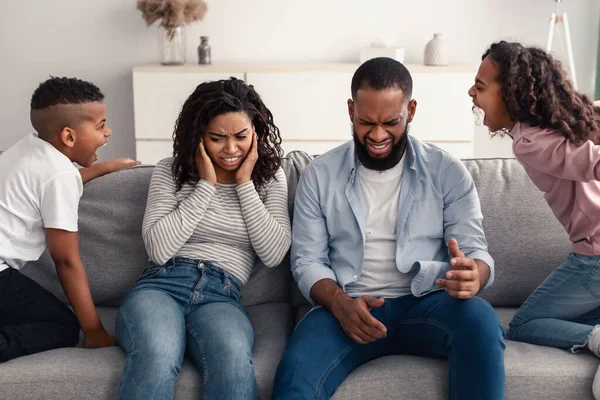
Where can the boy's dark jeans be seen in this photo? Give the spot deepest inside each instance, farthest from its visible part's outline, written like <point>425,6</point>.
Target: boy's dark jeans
<point>32,319</point>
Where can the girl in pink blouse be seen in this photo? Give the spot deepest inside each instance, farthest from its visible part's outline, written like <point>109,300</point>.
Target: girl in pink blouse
<point>524,92</point>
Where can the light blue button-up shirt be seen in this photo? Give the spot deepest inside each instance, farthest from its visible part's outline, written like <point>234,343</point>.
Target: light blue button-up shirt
<point>438,201</point>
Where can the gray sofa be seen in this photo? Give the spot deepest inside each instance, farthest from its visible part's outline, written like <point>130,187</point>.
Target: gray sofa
<point>524,238</point>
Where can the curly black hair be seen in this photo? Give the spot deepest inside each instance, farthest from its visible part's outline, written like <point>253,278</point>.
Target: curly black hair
<point>209,100</point>
<point>56,91</point>
<point>536,91</point>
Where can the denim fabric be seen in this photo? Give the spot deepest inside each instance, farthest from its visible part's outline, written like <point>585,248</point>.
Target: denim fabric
<point>564,309</point>
<point>185,304</point>
<point>466,332</point>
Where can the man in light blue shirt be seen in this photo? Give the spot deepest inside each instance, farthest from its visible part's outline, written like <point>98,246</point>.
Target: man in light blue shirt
<point>387,243</point>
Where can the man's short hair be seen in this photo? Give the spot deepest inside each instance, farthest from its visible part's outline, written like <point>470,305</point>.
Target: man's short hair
<point>382,73</point>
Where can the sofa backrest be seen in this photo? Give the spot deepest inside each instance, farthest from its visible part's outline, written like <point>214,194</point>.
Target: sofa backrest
<point>524,238</point>
<point>110,225</point>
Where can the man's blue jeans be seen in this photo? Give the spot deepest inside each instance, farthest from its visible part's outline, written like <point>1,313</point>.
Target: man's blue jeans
<point>185,302</point>
<point>466,332</point>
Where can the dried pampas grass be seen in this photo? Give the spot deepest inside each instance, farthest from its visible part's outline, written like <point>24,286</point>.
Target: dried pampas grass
<point>172,13</point>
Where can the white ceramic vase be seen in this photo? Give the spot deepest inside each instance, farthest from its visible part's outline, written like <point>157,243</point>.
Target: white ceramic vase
<point>436,51</point>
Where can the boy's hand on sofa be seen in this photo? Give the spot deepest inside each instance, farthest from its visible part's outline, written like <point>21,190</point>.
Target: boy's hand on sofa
<point>121,163</point>
<point>98,339</point>
<point>463,279</point>
<point>106,167</point>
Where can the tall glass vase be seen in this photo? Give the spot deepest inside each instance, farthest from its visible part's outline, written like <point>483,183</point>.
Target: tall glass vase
<point>171,45</point>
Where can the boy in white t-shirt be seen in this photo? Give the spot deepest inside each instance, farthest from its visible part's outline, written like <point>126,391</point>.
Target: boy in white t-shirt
<point>39,198</point>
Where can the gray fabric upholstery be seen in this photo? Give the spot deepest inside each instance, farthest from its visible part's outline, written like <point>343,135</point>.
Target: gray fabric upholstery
<point>524,238</point>
<point>293,165</point>
<point>110,225</point>
<point>112,250</point>
<point>76,373</point>
<point>532,372</point>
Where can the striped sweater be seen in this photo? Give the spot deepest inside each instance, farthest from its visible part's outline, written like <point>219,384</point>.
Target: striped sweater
<point>228,225</point>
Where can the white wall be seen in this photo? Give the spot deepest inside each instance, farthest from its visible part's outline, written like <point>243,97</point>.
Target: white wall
<point>100,40</point>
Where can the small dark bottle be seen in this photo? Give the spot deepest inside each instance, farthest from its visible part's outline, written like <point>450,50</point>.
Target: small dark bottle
<point>204,51</point>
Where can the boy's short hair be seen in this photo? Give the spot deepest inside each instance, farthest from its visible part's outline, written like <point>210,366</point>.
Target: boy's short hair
<point>56,91</point>
<point>56,104</point>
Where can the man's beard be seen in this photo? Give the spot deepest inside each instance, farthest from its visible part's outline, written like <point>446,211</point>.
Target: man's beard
<point>380,164</point>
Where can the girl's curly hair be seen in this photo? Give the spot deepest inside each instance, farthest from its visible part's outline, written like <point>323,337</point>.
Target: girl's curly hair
<point>536,91</point>
<point>209,100</point>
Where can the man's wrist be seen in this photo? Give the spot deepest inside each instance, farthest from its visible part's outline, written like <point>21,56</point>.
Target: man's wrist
<point>483,271</point>
<point>338,299</point>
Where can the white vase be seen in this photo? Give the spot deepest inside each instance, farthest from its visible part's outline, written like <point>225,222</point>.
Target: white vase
<point>436,51</point>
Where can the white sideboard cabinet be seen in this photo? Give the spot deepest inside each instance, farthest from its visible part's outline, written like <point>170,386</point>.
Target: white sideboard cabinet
<point>308,102</point>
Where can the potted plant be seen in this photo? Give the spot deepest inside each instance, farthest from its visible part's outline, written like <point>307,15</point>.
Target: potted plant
<point>173,16</point>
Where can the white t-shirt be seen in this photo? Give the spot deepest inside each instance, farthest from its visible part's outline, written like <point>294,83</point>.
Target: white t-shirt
<point>380,276</point>
<point>39,188</point>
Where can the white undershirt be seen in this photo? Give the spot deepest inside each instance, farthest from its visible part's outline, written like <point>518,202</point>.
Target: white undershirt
<point>380,194</point>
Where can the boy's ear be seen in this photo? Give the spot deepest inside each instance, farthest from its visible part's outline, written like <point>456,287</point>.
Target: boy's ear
<point>67,137</point>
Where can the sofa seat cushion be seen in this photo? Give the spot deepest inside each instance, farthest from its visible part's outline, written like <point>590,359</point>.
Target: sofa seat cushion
<point>76,373</point>
<point>532,372</point>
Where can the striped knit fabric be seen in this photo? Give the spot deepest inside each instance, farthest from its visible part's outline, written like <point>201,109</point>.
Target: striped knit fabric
<point>228,225</point>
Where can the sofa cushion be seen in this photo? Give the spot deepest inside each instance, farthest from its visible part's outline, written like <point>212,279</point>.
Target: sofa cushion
<point>525,239</point>
<point>532,372</point>
<point>110,237</point>
<point>293,164</point>
<point>110,225</point>
<point>75,373</point>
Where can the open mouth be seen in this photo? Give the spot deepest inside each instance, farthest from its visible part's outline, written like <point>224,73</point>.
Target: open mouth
<point>231,161</point>
<point>96,154</point>
<point>379,148</point>
<point>480,113</point>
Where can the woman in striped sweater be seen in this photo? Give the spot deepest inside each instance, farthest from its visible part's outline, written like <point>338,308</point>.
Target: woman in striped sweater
<point>213,207</point>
